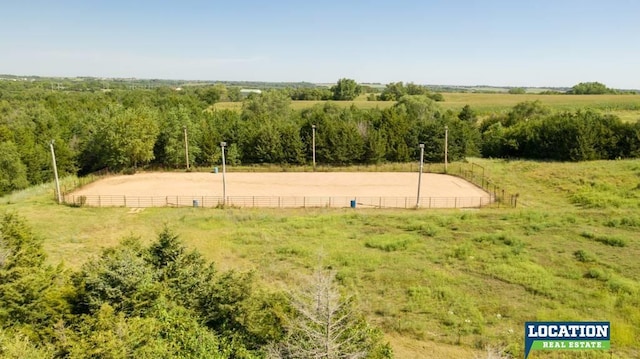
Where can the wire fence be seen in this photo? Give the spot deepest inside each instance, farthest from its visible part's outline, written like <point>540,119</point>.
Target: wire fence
<point>496,195</point>
<point>275,201</point>
<point>476,174</point>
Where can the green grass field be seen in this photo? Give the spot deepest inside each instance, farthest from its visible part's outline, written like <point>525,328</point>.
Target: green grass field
<point>627,107</point>
<point>445,282</point>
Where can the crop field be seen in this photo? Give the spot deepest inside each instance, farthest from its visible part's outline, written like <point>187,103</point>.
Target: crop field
<point>627,107</point>
<point>445,282</point>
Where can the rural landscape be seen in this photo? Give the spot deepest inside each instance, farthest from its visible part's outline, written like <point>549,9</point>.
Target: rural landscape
<point>558,239</point>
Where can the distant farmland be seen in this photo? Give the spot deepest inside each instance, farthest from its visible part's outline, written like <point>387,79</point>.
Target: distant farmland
<point>627,107</point>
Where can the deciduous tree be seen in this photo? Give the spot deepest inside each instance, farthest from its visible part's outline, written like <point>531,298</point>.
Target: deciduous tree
<point>345,90</point>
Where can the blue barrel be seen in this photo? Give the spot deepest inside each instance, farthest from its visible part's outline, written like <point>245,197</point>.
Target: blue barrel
<point>215,169</point>
<point>196,203</point>
<point>353,203</point>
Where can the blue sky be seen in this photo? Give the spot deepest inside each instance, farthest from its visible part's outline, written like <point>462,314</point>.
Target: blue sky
<point>456,42</point>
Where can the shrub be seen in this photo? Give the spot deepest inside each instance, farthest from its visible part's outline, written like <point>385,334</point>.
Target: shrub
<point>583,256</point>
<point>597,273</point>
<point>611,241</point>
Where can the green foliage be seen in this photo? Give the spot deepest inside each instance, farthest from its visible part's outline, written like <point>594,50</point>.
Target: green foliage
<point>394,91</point>
<point>517,90</point>
<point>467,115</point>
<point>529,131</point>
<point>591,88</point>
<point>132,301</point>
<point>584,256</point>
<point>121,138</point>
<point>125,127</point>
<point>120,278</point>
<point>526,111</point>
<point>345,90</point>
<point>18,346</point>
<point>611,241</point>
<point>166,331</point>
<point>13,173</point>
<point>310,94</point>
<point>31,293</point>
<point>269,106</point>
<point>213,94</point>
<point>388,243</point>
<point>169,147</point>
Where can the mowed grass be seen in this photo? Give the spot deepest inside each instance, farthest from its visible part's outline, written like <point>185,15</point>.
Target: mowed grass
<point>627,107</point>
<point>440,283</point>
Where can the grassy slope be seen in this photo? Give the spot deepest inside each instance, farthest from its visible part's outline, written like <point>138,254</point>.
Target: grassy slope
<point>443,282</point>
<point>627,107</point>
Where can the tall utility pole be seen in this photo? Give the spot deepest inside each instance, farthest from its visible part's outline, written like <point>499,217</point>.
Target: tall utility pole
<point>313,129</point>
<point>446,147</point>
<point>224,183</point>
<point>186,146</point>
<point>420,174</point>
<point>55,172</point>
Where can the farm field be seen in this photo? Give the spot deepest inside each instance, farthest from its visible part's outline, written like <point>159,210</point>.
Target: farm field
<point>444,282</point>
<point>627,107</point>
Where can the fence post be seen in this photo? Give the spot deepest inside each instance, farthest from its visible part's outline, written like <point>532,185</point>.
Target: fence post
<point>125,200</point>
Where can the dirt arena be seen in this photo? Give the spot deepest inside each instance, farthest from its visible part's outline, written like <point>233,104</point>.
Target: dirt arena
<point>334,189</point>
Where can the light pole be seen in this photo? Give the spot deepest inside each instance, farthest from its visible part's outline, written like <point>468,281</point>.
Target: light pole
<point>224,183</point>
<point>420,174</point>
<point>55,172</point>
<point>186,146</point>
<point>313,140</point>
<point>446,147</point>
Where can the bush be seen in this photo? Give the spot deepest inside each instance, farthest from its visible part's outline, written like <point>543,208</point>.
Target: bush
<point>583,256</point>
<point>611,241</point>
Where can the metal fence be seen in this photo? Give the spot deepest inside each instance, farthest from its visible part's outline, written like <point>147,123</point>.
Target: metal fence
<point>276,201</point>
<point>474,173</point>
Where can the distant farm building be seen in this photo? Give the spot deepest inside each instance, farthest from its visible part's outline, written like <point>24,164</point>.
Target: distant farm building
<point>247,92</point>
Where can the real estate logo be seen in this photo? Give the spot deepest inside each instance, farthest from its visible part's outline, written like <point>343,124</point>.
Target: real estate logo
<point>566,336</point>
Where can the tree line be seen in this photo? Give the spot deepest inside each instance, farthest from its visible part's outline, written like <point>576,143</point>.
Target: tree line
<point>128,129</point>
<point>164,301</point>
<point>530,130</point>
<point>132,129</point>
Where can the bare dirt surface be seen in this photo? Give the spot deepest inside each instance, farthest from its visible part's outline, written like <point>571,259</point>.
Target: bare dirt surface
<point>284,184</point>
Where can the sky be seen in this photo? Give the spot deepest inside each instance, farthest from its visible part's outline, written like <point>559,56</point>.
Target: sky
<point>542,43</point>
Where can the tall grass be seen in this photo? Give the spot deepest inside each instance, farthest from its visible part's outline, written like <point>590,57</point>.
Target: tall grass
<point>451,282</point>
